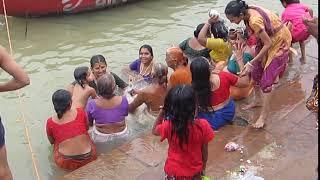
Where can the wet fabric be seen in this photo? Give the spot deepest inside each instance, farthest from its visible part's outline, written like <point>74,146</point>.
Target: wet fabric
<point>136,67</point>
<point>97,136</point>
<point>222,94</point>
<point>185,161</point>
<point>294,13</point>
<point>233,66</point>
<point>2,133</point>
<point>220,49</point>
<point>312,101</point>
<point>107,115</point>
<point>221,117</point>
<point>266,70</point>
<point>191,53</point>
<point>62,132</point>
<point>74,162</point>
<point>180,76</point>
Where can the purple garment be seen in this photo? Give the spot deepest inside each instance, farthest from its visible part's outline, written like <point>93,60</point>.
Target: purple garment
<point>135,66</point>
<point>107,115</point>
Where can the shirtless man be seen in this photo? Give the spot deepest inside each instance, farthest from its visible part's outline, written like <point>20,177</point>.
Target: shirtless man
<point>19,80</point>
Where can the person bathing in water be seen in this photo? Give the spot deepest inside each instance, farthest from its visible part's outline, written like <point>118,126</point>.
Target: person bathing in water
<point>107,112</point>
<point>187,136</point>
<point>179,63</point>
<point>154,94</point>
<point>67,130</point>
<point>81,91</point>
<point>143,65</point>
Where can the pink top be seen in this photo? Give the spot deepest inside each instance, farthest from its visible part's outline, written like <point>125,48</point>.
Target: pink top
<point>294,13</point>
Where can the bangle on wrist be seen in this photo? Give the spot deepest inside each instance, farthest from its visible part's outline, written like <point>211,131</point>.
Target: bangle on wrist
<point>250,64</point>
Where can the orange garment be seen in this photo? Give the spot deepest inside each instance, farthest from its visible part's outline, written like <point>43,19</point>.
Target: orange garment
<point>71,163</point>
<point>181,75</point>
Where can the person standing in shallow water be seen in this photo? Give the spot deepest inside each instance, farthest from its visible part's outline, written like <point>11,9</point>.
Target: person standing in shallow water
<point>19,80</point>
<point>270,62</point>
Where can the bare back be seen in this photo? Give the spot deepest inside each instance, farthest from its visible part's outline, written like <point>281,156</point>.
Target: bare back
<point>81,95</point>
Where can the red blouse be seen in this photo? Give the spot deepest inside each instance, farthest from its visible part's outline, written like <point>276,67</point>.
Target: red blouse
<point>61,132</point>
<point>223,92</point>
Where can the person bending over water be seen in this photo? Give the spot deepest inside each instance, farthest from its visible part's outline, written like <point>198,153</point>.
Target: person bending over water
<point>272,52</point>
<point>107,112</point>
<point>154,94</point>
<point>67,131</point>
<point>143,65</point>
<point>213,92</point>
<point>181,71</point>
<point>20,79</point>
<point>81,90</point>
<point>187,136</point>
<point>191,46</point>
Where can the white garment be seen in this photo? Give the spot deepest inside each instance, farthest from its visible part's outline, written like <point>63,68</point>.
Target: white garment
<point>97,136</point>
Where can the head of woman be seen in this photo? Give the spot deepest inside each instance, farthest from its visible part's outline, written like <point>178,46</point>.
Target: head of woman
<point>175,57</point>
<point>82,75</point>
<point>200,71</point>
<point>220,30</point>
<point>106,86</point>
<point>146,54</point>
<point>98,65</point>
<point>61,100</point>
<point>198,29</point>
<point>180,106</point>
<point>160,73</point>
<point>285,3</point>
<point>236,11</point>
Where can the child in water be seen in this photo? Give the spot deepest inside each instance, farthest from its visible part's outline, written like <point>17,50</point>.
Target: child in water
<point>293,16</point>
<point>187,136</point>
<point>81,91</point>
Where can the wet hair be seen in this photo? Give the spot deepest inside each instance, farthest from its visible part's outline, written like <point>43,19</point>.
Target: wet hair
<point>290,1</point>
<point>80,75</point>
<point>200,72</point>
<point>106,86</point>
<point>220,30</point>
<point>160,73</point>
<point>146,46</point>
<point>97,59</point>
<point>180,106</point>
<point>61,100</point>
<point>198,29</point>
<point>236,8</point>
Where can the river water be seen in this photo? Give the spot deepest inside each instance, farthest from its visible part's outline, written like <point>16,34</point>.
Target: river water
<point>50,48</point>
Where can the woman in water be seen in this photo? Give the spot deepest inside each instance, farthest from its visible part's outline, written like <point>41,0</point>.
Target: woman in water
<point>67,130</point>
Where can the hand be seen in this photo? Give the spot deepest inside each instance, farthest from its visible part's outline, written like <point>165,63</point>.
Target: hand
<point>312,26</point>
<point>246,70</point>
<point>239,48</point>
<point>213,19</point>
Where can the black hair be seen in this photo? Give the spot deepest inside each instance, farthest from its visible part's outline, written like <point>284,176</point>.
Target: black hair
<point>97,59</point>
<point>106,86</point>
<point>236,8</point>
<point>290,1</point>
<point>146,46</point>
<point>200,72</point>
<point>180,106</point>
<point>160,73</point>
<point>80,75</point>
<point>61,100</point>
<point>198,29</point>
<point>220,30</point>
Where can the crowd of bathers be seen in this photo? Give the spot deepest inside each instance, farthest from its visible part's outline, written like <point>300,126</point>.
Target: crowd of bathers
<point>211,69</point>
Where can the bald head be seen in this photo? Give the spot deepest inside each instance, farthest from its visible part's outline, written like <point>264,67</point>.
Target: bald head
<point>175,55</point>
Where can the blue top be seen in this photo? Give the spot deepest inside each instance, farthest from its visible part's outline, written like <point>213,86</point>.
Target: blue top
<point>135,66</point>
<point>233,66</point>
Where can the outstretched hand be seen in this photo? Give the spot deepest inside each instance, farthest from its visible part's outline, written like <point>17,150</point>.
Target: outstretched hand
<point>239,48</point>
<point>213,19</point>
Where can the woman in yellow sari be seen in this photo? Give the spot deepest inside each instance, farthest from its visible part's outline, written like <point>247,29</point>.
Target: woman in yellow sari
<point>272,52</point>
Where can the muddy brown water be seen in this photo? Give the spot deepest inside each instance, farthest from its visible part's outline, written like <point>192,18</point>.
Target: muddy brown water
<point>53,46</point>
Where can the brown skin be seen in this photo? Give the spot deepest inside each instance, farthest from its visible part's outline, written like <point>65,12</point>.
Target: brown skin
<point>74,146</point>
<point>312,25</point>
<point>19,80</point>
